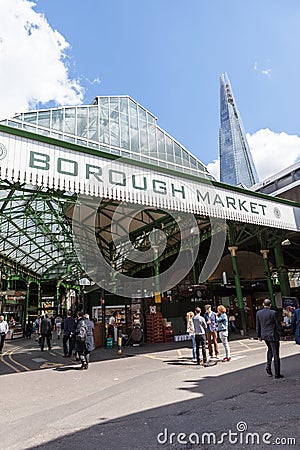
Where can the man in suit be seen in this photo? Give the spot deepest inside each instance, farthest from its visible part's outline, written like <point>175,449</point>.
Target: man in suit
<point>46,332</point>
<point>268,329</point>
<point>69,333</point>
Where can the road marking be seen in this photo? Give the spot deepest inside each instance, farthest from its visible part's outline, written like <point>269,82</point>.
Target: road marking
<point>50,365</point>
<point>16,362</point>
<point>7,363</point>
<point>179,353</point>
<point>242,343</point>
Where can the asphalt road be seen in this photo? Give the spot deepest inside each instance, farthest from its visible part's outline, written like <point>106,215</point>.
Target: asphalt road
<point>151,397</point>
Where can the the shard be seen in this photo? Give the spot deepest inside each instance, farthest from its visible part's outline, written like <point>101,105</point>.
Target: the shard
<point>236,164</point>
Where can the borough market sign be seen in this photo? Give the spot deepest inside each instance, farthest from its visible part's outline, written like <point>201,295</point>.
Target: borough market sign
<point>84,171</point>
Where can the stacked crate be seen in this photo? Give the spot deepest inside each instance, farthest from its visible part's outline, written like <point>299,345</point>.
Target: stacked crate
<point>154,328</point>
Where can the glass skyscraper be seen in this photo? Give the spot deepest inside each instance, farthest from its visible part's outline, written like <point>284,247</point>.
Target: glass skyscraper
<point>236,164</point>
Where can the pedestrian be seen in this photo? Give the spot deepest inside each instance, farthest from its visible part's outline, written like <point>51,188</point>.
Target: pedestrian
<point>211,331</point>
<point>69,333</point>
<point>222,321</point>
<point>58,322</point>
<point>37,327</point>
<point>191,332</point>
<point>3,331</point>
<point>295,321</point>
<point>200,328</point>
<point>111,325</point>
<point>232,320</point>
<point>29,330</point>
<point>268,329</point>
<point>46,332</point>
<point>85,346</point>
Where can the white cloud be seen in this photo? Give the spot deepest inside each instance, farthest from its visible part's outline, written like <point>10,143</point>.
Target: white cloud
<point>271,152</point>
<point>267,72</point>
<point>214,168</point>
<point>33,61</point>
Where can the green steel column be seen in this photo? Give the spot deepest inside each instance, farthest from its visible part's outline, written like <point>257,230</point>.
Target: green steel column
<point>103,315</point>
<point>27,302</point>
<point>238,288</point>
<point>282,271</point>
<point>157,295</point>
<point>58,305</point>
<point>268,275</point>
<point>194,268</point>
<point>39,294</point>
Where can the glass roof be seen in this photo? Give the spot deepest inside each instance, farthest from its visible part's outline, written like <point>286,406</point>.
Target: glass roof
<point>34,233</point>
<point>35,230</point>
<point>116,125</point>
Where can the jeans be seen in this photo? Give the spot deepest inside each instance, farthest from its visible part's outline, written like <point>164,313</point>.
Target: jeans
<point>224,339</point>
<point>200,340</point>
<point>232,327</point>
<point>211,337</point>
<point>273,352</point>
<point>193,346</point>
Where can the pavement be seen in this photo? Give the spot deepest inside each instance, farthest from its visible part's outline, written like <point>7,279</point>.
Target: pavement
<point>150,397</point>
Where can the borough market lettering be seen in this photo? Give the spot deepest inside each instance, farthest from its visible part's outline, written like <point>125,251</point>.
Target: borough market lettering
<point>140,182</point>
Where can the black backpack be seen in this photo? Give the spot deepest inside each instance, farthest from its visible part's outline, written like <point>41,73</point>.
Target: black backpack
<point>82,332</point>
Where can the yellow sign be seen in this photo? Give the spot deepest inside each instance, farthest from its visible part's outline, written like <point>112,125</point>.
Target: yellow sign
<point>157,297</point>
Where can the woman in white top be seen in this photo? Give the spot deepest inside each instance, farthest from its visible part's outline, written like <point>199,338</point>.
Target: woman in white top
<point>191,332</point>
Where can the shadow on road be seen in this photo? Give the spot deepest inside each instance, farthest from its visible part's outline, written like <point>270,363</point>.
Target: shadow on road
<point>243,402</point>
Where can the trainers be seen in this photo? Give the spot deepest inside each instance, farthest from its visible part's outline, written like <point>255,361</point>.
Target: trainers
<point>206,364</point>
<point>226,359</point>
<point>279,376</point>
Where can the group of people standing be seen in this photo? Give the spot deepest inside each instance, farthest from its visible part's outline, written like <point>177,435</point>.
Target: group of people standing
<point>205,329</point>
<point>78,335</point>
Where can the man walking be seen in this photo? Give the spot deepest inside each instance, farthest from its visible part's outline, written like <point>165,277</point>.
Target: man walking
<point>69,330</point>
<point>268,329</point>
<point>46,331</point>
<point>200,327</point>
<point>3,331</point>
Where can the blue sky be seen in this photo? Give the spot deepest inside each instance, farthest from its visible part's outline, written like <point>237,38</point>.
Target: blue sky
<point>168,55</point>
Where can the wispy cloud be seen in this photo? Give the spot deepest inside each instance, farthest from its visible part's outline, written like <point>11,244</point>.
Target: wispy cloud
<point>266,72</point>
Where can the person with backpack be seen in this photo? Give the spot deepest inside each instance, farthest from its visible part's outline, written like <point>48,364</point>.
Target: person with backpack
<point>84,339</point>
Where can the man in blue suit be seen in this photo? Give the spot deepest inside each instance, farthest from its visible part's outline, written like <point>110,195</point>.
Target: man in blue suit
<point>268,329</point>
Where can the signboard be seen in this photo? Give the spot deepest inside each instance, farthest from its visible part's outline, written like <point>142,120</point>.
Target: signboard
<point>83,171</point>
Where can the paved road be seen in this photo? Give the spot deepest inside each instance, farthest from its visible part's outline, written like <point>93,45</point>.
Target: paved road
<point>138,400</point>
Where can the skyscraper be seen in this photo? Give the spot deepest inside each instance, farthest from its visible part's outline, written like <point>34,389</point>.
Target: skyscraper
<point>236,164</point>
